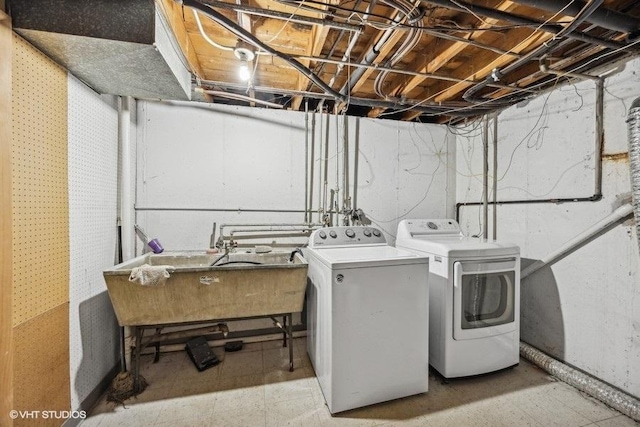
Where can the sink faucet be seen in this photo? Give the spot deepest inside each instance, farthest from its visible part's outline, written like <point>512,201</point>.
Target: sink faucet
<point>293,254</point>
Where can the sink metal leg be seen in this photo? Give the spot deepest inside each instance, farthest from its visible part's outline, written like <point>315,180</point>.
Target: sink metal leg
<point>136,355</point>
<point>290,334</point>
<point>284,331</point>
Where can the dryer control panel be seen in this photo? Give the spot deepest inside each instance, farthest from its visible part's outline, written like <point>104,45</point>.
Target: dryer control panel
<point>410,228</point>
<point>341,236</point>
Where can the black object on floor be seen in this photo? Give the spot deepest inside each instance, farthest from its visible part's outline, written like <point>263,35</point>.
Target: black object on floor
<point>233,346</point>
<point>201,354</point>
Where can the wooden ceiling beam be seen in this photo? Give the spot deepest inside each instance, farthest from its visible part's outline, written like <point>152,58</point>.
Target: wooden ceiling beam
<point>173,14</point>
<point>446,55</point>
<point>530,43</point>
<point>316,42</point>
<point>453,49</point>
<point>314,48</point>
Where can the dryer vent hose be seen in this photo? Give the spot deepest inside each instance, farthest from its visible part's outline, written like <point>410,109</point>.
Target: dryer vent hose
<point>633,123</point>
<point>628,405</point>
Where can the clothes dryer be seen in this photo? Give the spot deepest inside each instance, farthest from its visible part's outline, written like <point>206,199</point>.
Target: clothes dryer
<point>474,297</point>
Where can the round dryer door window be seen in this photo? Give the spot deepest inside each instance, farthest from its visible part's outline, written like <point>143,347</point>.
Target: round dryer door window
<point>484,298</point>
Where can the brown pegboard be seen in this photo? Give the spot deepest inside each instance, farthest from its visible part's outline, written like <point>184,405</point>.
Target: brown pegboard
<point>41,365</point>
<point>40,190</point>
<point>6,280</point>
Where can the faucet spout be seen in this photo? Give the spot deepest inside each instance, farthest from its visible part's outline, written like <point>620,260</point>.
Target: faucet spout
<point>294,252</point>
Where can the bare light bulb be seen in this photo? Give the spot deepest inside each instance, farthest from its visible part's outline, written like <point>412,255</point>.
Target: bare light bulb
<point>244,72</point>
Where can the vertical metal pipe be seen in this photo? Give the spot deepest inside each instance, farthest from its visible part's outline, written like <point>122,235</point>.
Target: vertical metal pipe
<point>326,165</point>
<point>337,219</point>
<point>345,167</point>
<point>485,178</point>
<point>599,136</point>
<point>356,150</point>
<point>311,167</point>
<point>495,176</point>
<point>306,161</point>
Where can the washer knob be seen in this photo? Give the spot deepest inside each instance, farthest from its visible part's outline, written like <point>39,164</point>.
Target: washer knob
<point>376,232</point>
<point>432,225</point>
<point>322,235</point>
<point>333,234</point>
<point>367,232</point>
<point>350,233</point>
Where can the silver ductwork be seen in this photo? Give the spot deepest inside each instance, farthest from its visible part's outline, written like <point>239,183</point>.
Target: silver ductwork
<point>121,48</point>
<point>633,123</point>
<point>628,405</point>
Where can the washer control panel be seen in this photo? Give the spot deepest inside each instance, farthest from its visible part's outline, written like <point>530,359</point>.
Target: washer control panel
<point>340,236</point>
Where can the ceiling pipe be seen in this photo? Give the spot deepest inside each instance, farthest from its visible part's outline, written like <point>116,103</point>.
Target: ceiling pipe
<point>461,6</point>
<point>455,109</point>
<point>239,97</point>
<point>251,39</point>
<point>497,74</point>
<point>268,13</point>
<point>602,16</point>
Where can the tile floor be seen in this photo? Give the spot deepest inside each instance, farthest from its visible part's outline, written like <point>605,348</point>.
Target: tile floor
<point>254,388</point>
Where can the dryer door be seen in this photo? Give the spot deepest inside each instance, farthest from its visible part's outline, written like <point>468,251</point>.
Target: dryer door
<point>484,298</point>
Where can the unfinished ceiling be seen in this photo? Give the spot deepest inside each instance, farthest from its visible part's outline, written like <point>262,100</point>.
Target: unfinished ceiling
<point>425,60</point>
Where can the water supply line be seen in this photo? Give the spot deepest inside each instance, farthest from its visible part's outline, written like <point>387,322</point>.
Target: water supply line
<point>306,161</point>
<point>626,404</point>
<point>495,176</point>
<point>597,155</point>
<point>580,240</point>
<point>633,123</point>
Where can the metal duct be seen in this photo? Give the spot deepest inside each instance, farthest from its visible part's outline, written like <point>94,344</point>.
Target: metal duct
<point>603,17</point>
<point>633,122</point>
<point>116,47</point>
<point>617,399</point>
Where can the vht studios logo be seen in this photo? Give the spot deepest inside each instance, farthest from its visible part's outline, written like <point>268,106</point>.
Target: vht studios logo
<point>25,415</point>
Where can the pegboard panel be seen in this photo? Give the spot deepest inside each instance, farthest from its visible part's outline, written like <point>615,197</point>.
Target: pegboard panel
<point>93,172</point>
<point>6,280</point>
<point>40,193</point>
<point>41,365</point>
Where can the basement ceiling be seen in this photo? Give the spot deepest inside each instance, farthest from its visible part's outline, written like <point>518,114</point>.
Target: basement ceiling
<point>431,61</point>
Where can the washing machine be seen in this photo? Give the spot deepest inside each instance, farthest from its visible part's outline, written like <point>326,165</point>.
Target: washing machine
<point>367,317</point>
<point>474,308</point>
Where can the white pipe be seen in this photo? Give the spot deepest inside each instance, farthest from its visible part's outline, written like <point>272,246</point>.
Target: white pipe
<point>617,399</point>
<point>238,97</point>
<point>306,161</point>
<point>127,212</point>
<point>495,176</point>
<point>620,213</point>
<point>485,179</point>
<point>206,37</point>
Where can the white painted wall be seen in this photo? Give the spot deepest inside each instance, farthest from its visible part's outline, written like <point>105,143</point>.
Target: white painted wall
<point>93,155</point>
<point>585,309</point>
<point>236,158</point>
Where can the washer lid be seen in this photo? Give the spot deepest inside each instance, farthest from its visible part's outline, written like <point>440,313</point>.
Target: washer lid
<point>359,256</point>
<point>458,246</point>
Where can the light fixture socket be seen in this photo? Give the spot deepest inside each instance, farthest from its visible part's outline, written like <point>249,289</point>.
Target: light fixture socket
<point>244,52</point>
